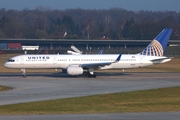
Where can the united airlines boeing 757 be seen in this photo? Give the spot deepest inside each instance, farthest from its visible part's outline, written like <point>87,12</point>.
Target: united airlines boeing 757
<point>86,64</point>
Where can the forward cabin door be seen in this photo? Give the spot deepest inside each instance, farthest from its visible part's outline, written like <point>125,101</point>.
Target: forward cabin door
<point>54,60</point>
<point>22,60</point>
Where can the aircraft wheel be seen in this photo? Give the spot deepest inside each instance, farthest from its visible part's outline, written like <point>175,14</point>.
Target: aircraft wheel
<point>94,76</point>
<point>24,76</point>
<point>89,75</point>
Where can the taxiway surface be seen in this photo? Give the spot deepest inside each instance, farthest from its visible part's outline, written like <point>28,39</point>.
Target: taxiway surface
<point>37,87</point>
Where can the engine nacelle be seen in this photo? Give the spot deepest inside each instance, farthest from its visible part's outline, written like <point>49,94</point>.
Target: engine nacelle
<point>74,70</point>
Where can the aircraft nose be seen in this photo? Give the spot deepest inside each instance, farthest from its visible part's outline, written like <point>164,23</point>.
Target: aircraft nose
<point>6,65</point>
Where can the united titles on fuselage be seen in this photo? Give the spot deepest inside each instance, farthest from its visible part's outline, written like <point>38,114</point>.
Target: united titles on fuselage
<point>38,57</point>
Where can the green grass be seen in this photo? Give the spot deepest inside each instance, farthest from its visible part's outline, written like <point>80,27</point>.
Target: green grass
<point>4,88</point>
<point>156,100</point>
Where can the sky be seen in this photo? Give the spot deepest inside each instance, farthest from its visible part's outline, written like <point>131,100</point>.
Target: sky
<point>133,5</point>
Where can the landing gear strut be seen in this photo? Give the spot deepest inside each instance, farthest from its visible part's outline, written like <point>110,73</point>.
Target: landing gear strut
<point>90,74</point>
<point>24,73</point>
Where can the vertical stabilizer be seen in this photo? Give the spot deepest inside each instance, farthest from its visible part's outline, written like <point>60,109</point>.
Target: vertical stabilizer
<point>158,45</point>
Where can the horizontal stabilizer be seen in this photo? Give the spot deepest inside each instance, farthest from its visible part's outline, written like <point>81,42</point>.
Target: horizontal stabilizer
<point>161,60</point>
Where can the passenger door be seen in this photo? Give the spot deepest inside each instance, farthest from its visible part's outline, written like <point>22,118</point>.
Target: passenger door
<point>22,60</point>
<point>55,60</point>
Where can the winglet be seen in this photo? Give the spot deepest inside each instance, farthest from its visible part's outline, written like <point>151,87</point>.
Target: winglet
<point>118,58</point>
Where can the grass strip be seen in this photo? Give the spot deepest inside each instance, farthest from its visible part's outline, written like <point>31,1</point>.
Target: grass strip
<point>155,100</point>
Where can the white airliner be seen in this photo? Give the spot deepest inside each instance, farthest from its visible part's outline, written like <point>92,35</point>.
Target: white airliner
<point>86,64</point>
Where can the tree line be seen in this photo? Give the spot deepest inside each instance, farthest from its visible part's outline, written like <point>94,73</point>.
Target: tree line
<point>114,24</point>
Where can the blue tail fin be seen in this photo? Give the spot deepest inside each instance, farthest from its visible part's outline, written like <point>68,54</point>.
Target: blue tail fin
<point>158,45</point>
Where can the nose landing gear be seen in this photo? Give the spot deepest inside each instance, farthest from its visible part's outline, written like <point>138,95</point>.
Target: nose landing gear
<point>24,73</point>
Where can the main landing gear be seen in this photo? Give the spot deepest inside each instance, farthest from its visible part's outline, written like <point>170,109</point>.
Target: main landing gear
<point>24,73</point>
<point>90,74</point>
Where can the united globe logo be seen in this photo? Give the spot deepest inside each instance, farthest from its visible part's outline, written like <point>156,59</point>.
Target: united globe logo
<point>153,49</point>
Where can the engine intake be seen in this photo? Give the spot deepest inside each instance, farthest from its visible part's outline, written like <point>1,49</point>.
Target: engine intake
<point>74,70</point>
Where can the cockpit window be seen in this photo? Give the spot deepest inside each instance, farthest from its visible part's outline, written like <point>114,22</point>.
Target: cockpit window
<point>11,60</point>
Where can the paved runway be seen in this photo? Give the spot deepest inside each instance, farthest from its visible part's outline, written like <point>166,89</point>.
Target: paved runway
<point>37,87</point>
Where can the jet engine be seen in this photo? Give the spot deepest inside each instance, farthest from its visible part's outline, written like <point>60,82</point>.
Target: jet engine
<point>74,70</point>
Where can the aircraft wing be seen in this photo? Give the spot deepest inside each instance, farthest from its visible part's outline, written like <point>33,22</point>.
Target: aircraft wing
<point>98,65</point>
<point>95,65</point>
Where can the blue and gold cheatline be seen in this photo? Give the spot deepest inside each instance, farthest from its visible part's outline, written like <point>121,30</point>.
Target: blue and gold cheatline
<point>153,49</point>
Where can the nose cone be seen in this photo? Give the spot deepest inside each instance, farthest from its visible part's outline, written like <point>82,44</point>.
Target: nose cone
<point>6,65</point>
